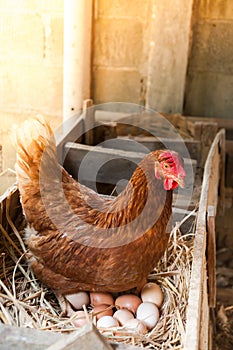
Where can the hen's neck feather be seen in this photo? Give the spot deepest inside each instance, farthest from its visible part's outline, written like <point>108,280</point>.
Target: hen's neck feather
<point>144,196</point>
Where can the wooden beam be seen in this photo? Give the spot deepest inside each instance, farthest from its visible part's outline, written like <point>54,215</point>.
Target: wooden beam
<point>85,338</point>
<point>84,162</point>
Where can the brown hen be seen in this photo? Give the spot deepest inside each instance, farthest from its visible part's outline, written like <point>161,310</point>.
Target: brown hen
<point>81,241</point>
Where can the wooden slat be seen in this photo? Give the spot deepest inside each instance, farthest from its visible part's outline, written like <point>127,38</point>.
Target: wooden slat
<point>72,130</point>
<point>195,311</point>
<point>229,163</point>
<point>112,165</point>
<point>85,338</point>
<point>211,256</point>
<point>226,124</point>
<point>122,167</point>
<point>15,338</point>
<point>150,143</point>
<point>205,133</point>
<point>204,319</point>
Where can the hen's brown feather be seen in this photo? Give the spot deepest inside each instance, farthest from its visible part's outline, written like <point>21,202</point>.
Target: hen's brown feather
<point>80,240</point>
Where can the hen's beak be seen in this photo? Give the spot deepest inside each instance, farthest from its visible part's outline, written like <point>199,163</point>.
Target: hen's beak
<point>180,182</point>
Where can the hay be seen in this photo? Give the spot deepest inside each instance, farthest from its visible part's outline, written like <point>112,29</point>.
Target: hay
<point>24,302</point>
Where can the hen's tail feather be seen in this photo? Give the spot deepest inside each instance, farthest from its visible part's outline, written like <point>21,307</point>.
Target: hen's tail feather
<point>31,140</point>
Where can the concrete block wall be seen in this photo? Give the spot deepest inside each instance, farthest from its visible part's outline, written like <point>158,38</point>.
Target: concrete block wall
<point>31,56</point>
<point>209,88</point>
<point>120,50</point>
<point>140,55</point>
<point>141,51</point>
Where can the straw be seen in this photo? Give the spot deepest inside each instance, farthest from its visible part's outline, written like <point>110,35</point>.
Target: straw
<point>25,302</point>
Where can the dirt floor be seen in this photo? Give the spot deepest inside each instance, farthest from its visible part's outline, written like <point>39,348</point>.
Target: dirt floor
<point>223,314</point>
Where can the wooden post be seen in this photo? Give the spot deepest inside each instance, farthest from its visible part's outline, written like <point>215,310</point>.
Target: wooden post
<point>89,121</point>
<point>77,55</point>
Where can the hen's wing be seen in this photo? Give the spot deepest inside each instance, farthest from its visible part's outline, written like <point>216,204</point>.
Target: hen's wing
<point>77,241</point>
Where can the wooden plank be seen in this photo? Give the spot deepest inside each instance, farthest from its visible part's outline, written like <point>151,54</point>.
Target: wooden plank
<point>85,338</point>
<point>229,163</point>
<point>194,310</point>
<point>204,320</point>
<point>14,338</point>
<point>91,165</point>
<point>211,256</point>
<point>137,143</point>
<point>223,171</point>
<point>226,124</point>
<point>7,179</point>
<point>205,133</point>
<point>72,130</point>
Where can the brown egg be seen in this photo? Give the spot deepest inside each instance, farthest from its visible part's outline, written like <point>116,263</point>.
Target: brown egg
<point>107,322</point>
<point>128,301</point>
<point>77,300</point>
<point>122,316</point>
<point>148,313</point>
<point>80,319</point>
<point>99,298</point>
<point>152,292</point>
<point>136,326</point>
<point>100,311</point>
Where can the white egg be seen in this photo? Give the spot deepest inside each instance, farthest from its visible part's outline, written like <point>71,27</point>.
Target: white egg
<point>136,326</point>
<point>107,322</point>
<point>122,316</point>
<point>77,300</point>
<point>148,313</point>
<point>152,292</point>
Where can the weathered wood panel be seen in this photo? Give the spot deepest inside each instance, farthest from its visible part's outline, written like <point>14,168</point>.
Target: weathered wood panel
<point>109,166</point>
<point>197,314</point>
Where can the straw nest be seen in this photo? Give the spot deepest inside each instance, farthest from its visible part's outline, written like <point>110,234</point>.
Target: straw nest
<point>24,302</point>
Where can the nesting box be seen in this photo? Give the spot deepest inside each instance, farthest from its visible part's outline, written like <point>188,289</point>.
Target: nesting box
<point>113,146</point>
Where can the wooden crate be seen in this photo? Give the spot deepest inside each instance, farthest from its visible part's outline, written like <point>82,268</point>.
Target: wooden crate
<point>207,147</point>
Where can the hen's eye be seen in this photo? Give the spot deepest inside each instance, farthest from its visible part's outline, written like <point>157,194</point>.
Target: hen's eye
<point>166,166</point>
